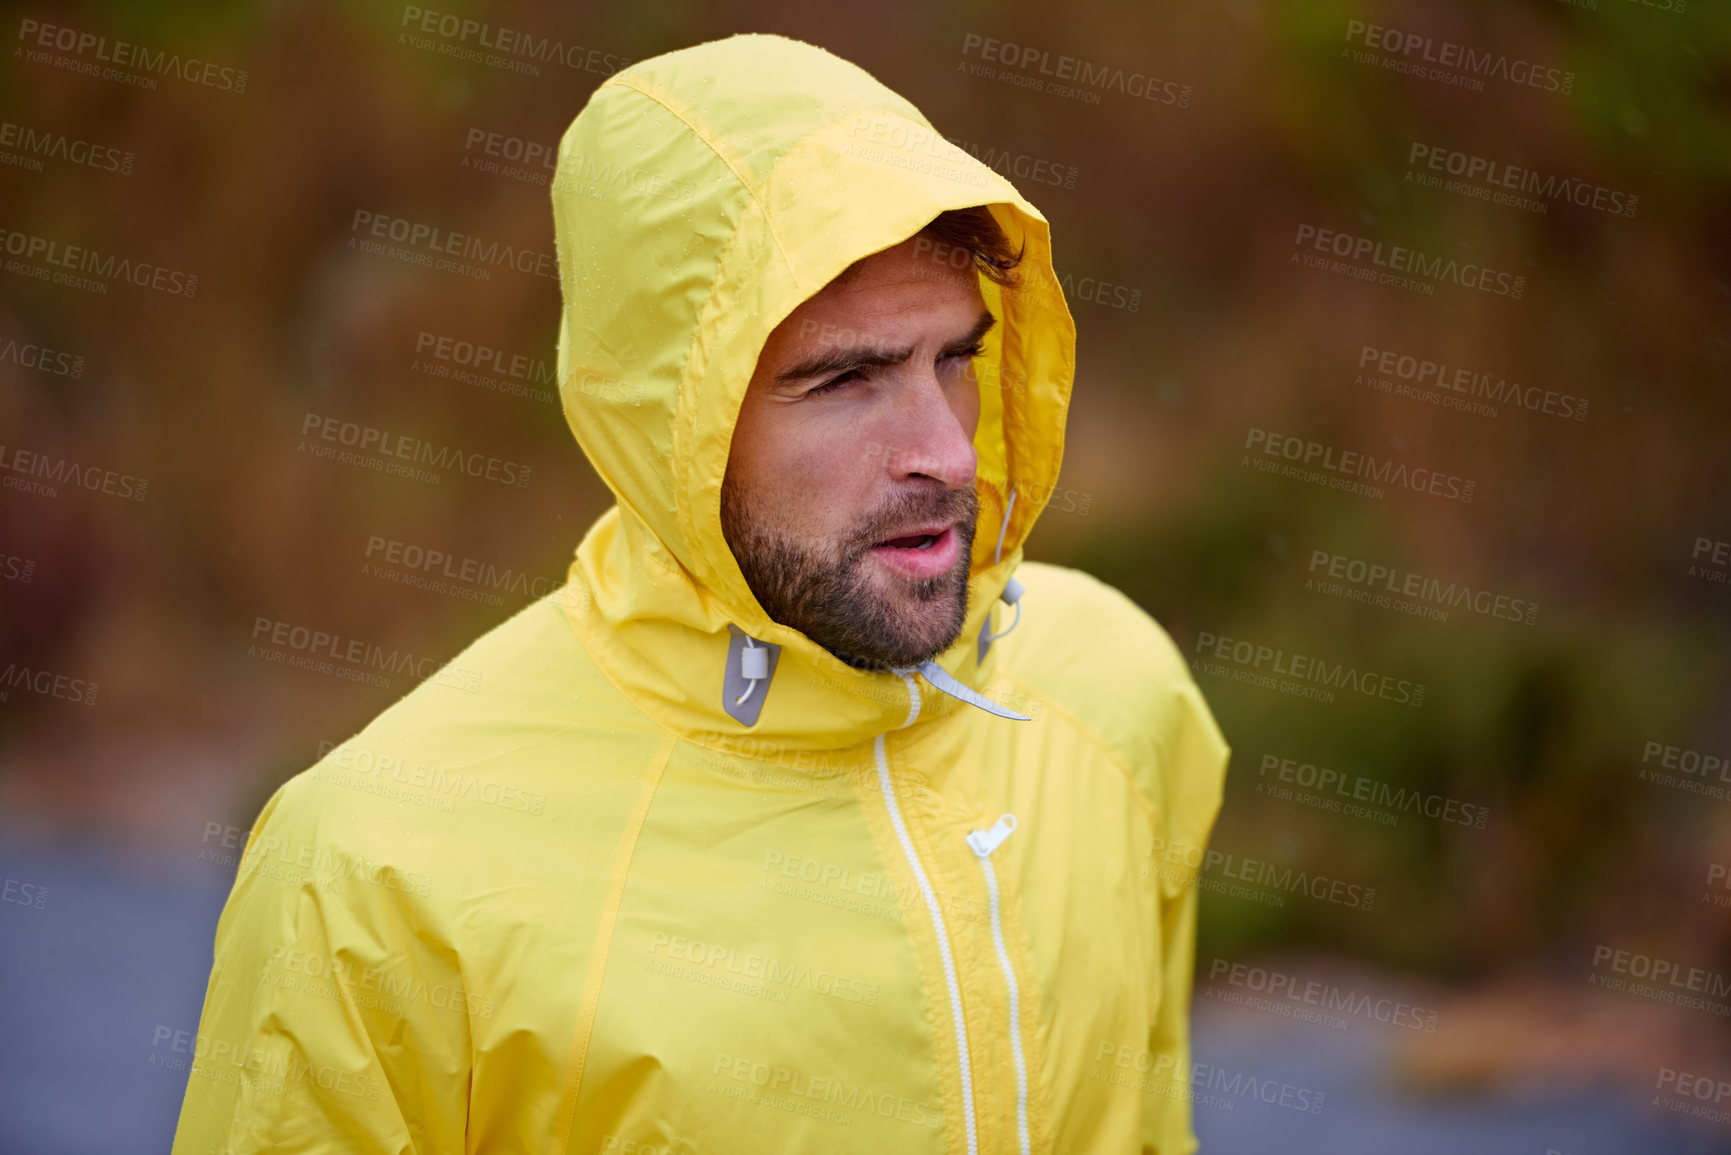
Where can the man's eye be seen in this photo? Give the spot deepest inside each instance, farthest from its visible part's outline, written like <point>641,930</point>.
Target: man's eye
<point>968,354</point>
<point>835,383</point>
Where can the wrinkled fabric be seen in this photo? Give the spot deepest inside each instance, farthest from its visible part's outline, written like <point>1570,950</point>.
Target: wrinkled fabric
<point>556,899</point>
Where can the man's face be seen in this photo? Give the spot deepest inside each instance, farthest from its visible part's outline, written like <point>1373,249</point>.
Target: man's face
<point>831,460</point>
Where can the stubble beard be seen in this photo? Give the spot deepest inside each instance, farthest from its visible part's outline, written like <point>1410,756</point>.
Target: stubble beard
<point>829,592</point>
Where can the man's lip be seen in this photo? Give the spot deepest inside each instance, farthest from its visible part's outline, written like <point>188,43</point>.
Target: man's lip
<point>933,561</point>
<point>933,530</point>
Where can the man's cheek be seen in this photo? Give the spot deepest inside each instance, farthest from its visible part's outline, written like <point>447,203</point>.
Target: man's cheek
<point>874,457</point>
<point>965,404</point>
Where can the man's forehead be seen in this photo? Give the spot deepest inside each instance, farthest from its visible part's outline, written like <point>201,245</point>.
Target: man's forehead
<point>919,258</point>
<point>876,297</point>
<point>877,308</point>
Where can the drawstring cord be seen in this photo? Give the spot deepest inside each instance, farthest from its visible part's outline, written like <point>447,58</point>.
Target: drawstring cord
<point>1012,589</point>
<point>998,554</point>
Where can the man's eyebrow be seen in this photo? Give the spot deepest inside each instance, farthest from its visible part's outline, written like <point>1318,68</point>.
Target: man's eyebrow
<point>867,357</point>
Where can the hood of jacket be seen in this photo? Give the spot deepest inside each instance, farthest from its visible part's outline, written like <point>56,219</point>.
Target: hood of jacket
<point>700,197</point>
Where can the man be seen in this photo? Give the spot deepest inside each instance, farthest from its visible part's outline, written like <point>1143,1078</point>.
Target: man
<point>767,832</point>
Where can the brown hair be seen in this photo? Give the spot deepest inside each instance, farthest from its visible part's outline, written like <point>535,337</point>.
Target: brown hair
<point>976,230</point>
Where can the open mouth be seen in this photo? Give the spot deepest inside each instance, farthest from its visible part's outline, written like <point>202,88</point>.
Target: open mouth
<point>920,555</point>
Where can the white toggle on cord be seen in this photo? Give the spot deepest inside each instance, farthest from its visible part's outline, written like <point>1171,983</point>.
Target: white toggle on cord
<point>753,666</point>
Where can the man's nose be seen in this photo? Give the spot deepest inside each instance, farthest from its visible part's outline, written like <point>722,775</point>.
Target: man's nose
<point>925,436</point>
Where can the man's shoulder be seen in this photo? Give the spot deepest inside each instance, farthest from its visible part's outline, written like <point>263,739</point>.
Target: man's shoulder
<point>526,678</point>
<point>1081,633</point>
<point>481,752</point>
<point>1104,661</point>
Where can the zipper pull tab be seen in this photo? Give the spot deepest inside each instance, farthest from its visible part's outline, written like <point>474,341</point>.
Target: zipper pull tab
<point>986,841</point>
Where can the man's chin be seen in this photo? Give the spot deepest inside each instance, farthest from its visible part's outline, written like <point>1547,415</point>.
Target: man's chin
<point>858,609</point>
<point>898,586</point>
<point>924,615</point>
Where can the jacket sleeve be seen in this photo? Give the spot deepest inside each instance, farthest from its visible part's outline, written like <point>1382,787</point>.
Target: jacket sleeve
<point>332,1021</point>
<point>1192,771</point>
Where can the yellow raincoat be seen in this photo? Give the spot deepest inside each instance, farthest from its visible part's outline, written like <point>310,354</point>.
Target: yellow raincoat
<point>568,895</point>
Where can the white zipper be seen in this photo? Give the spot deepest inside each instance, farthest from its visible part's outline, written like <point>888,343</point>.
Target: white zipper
<point>984,842</point>
<point>937,918</point>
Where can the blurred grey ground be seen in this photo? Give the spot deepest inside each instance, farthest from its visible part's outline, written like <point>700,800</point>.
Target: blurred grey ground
<point>1364,1114</point>
<point>94,985</point>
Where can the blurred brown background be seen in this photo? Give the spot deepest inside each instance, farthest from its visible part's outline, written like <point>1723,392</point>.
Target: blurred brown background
<point>1482,245</point>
